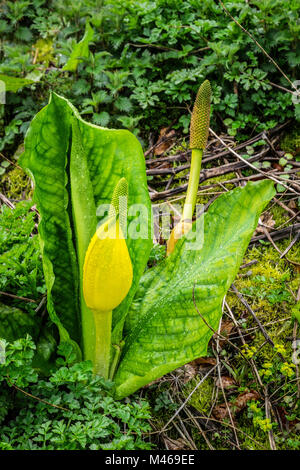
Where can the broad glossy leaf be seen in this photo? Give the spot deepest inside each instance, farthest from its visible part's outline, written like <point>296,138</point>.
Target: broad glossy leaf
<point>45,157</point>
<point>164,329</point>
<point>52,143</point>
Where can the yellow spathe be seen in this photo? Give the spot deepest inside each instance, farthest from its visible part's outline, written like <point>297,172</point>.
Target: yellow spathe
<point>107,270</point>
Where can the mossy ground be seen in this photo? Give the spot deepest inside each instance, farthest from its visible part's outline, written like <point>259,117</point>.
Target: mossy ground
<point>17,184</point>
<point>270,287</point>
<point>291,140</point>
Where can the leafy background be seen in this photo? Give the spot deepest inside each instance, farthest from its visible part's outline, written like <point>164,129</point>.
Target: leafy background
<point>146,60</point>
<point>140,69</point>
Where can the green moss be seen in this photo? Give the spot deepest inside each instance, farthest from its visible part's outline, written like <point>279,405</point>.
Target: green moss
<point>201,398</point>
<point>279,215</point>
<point>17,184</point>
<point>209,192</point>
<point>291,141</point>
<point>268,287</point>
<point>267,284</point>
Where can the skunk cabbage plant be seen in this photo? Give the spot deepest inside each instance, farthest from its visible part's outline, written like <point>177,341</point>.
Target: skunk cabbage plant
<point>95,231</point>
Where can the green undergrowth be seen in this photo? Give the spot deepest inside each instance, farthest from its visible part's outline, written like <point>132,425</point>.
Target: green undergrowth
<point>70,410</point>
<point>201,399</point>
<point>269,284</point>
<point>141,63</point>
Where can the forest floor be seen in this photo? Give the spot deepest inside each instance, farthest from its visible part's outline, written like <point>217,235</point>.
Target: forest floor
<point>245,393</point>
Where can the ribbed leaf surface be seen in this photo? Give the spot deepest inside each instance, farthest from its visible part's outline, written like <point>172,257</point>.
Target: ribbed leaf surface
<point>46,148</point>
<point>110,154</point>
<point>164,330</point>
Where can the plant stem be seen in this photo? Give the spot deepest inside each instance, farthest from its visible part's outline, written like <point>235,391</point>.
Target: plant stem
<point>191,196</point>
<point>117,353</point>
<point>102,342</point>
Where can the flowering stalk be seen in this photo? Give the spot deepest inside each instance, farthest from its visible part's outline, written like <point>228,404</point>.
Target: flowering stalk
<point>198,138</point>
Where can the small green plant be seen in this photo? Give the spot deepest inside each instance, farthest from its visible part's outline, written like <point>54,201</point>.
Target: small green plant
<point>72,410</point>
<point>255,412</point>
<point>273,290</point>
<point>278,365</point>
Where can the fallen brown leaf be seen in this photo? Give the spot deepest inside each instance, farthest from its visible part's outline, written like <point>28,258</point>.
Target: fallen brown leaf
<point>204,361</point>
<point>236,406</point>
<point>220,412</point>
<point>168,139</point>
<point>277,166</point>
<point>178,444</point>
<point>266,221</point>
<point>190,371</point>
<point>292,204</point>
<point>226,382</point>
<point>243,398</point>
<point>226,328</point>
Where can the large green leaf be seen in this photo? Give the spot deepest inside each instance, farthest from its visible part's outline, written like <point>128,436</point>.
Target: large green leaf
<point>164,329</point>
<point>45,157</point>
<point>57,137</point>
